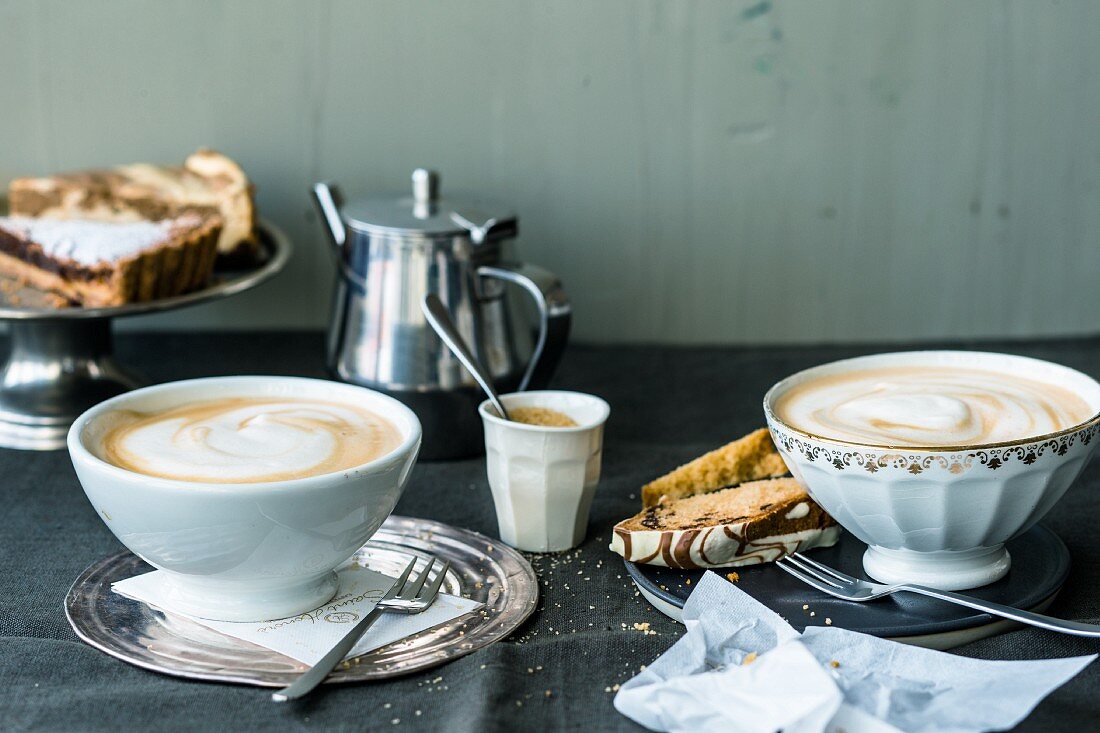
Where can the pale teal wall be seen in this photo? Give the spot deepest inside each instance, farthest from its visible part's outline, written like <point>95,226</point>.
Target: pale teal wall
<point>695,171</point>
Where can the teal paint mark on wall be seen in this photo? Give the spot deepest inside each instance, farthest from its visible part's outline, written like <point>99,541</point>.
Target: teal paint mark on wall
<point>755,11</point>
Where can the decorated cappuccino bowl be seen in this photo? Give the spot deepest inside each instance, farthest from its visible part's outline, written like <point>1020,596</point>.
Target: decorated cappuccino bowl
<point>243,549</point>
<point>937,515</point>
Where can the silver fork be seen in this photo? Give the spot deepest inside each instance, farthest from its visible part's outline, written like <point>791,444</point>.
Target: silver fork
<point>406,596</point>
<point>839,585</point>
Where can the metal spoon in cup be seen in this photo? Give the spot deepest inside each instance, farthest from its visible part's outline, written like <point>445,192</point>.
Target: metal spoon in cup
<point>440,320</point>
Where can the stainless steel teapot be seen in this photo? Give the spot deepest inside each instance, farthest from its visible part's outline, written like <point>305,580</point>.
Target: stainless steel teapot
<point>390,252</point>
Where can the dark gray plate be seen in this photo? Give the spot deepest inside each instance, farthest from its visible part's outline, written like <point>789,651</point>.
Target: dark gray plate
<point>1040,565</point>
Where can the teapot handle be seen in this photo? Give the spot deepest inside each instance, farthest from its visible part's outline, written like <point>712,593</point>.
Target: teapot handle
<point>328,199</point>
<point>555,315</point>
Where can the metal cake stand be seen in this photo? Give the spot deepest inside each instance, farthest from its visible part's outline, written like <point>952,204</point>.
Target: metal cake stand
<point>62,359</point>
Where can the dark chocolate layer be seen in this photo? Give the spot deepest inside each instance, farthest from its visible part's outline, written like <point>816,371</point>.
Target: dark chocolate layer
<point>32,253</point>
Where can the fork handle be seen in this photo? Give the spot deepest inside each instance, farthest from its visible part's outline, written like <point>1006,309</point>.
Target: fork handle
<point>1076,628</point>
<point>317,674</point>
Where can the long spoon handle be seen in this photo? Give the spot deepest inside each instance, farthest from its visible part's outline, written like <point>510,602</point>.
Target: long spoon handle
<point>1076,628</point>
<point>437,315</point>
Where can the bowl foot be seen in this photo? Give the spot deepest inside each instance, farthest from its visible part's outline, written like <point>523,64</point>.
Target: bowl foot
<point>228,600</point>
<point>943,570</point>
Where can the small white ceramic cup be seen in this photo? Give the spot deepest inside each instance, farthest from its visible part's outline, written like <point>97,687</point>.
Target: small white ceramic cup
<point>252,551</point>
<point>543,479</point>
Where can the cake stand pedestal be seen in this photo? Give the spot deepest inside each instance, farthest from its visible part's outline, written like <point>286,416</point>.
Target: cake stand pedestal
<point>62,360</point>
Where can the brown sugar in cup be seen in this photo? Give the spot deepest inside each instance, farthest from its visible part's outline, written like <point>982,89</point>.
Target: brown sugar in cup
<point>543,416</point>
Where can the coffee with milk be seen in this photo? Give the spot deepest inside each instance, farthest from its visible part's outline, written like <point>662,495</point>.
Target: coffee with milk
<point>929,406</point>
<point>245,439</point>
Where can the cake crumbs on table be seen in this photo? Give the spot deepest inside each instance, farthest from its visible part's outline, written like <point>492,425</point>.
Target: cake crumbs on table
<point>833,663</point>
<point>733,577</point>
<point>828,622</point>
<point>749,659</point>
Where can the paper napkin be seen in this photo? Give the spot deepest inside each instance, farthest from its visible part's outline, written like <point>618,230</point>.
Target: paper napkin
<point>309,636</point>
<point>741,668</point>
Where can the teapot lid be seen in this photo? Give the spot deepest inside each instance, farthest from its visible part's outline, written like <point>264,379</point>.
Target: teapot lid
<point>426,214</point>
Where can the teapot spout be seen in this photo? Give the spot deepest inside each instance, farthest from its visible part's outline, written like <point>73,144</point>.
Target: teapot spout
<point>328,199</point>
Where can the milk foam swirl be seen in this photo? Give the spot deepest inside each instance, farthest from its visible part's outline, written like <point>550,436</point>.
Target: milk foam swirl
<point>242,440</point>
<point>929,406</point>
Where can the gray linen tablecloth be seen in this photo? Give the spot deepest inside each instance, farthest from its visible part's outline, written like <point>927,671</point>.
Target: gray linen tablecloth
<point>557,671</point>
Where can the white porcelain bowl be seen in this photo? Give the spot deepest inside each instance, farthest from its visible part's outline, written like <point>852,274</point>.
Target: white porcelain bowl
<point>251,551</point>
<point>939,516</point>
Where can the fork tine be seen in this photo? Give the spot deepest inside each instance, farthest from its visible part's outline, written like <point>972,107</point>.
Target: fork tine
<point>400,582</point>
<point>810,580</point>
<point>413,588</point>
<point>809,570</point>
<point>433,590</point>
<point>826,569</point>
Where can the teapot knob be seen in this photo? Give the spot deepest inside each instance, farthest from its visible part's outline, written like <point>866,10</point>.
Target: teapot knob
<point>425,191</point>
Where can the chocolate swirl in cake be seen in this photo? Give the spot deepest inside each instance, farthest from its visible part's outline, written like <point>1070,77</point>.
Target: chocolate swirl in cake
<point>758,521</point>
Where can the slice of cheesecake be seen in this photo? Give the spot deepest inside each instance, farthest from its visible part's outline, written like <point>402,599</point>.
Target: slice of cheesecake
<point>208,184</point>
<point>103,263</point>
<point>745,459</point>
<point>755,522</point>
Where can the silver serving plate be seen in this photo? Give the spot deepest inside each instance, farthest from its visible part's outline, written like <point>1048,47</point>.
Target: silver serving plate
<point>482,569</point>
<point>62,362</point>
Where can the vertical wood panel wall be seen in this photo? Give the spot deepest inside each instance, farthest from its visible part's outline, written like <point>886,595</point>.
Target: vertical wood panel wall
<point>696,171</point>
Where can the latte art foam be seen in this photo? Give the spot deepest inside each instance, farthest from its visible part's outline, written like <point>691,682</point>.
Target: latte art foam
<point>246,440</point>
<point>929,406</point>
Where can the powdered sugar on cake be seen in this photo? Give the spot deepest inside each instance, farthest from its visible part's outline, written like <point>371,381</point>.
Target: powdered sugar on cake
<point>93,242</point>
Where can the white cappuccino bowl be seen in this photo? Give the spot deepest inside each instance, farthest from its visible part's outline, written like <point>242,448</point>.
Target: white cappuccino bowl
<point>939,516</point>
<point>246,551</point>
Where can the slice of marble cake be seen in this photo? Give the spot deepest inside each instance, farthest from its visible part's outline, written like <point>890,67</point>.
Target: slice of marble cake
<point>753,522</point>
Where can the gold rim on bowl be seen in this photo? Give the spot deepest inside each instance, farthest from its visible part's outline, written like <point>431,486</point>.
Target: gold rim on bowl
<point>773,418</point>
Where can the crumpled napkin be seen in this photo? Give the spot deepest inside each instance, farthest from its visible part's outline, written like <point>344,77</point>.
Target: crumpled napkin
<point>742,668</point>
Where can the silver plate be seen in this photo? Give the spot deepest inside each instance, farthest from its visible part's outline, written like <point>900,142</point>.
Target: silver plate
<point>482,569</point>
